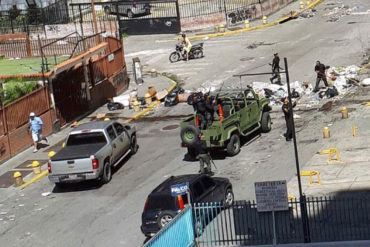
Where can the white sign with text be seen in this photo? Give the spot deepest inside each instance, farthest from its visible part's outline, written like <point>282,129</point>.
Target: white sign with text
<point>271,196</point>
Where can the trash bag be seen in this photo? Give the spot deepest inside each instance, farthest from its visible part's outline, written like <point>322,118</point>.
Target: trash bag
<point>171,99</point>
<point>331,92</point>
<point>295,94</point>
<point>268,92</point>
<point>112,106</point>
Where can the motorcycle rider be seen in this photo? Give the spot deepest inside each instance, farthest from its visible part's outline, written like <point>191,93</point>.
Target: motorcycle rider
<point>187,45</point>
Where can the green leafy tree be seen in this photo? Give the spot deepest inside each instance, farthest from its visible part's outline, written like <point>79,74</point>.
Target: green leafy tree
<point>14,12</point>
<point>14,89</point>
<point>33,15</point>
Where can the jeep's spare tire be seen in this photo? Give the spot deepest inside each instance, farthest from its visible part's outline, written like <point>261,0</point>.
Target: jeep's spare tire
<point>189,134</point>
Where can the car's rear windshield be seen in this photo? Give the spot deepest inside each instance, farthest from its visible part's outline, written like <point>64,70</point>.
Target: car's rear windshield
<point>159,202</point>
<point>86,138</point>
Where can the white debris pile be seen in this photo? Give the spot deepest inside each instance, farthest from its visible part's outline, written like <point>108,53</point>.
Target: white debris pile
<point>307,13</point>
<point>366,82</point>
<point>340,79</point>
<point>335,13</point>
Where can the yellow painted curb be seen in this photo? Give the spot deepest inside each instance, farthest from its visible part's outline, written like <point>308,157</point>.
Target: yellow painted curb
<point>312,5</point>
<point>38,177</point>
<point>143,112</point>
<point>153,105</point>
<point>213,35</point>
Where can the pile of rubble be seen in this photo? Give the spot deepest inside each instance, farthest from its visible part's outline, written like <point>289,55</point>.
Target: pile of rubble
<point>335,13</point>
<point>340,80</point>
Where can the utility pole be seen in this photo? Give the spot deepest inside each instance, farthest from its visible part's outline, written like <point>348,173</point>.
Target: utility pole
<point>95,22</point>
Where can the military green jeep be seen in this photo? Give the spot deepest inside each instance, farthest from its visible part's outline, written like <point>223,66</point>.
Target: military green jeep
<point>244,112</point>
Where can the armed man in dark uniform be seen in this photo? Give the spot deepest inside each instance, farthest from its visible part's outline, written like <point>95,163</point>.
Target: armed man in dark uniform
<point>288,119</point>
<point>276,70</point>
<point>320,71</point>
<point>202,154</point>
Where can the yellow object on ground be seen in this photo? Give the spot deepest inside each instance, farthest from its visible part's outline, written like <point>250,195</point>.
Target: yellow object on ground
<point>344,113</point>
<point>354,131</point>
<point>148,98</point>
<point>330,152</point>
<point>264,20</point>
<point>36,167</point>
<point>18,179</point>
<point>51,154</point>
<point>326,132</point>
<point>136,106</point>
<point>311,174</point>
<point>106,119</point>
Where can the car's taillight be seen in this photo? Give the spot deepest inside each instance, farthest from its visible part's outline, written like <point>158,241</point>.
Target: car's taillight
<point>134,5</point>
<point>49,167</point>
<point>146,203</point>
<point>181,202</point>
<point>95,164</point>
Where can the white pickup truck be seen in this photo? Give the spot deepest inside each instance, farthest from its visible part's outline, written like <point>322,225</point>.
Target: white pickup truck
<point>90,152</point>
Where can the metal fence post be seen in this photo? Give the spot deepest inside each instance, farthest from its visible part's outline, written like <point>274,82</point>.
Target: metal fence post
<point>178,14</point>
<point>43,21</point>
<point>120,26</point>
<point>305,223</point>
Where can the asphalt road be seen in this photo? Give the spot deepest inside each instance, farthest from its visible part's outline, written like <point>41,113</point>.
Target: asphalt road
<point>86,215</point>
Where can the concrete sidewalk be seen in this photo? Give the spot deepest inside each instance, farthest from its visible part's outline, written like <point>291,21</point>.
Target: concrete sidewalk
<point>351,172</point>
<point>22,161</point>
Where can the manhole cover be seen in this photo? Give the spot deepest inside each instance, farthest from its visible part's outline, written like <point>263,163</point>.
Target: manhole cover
<point>246,59</point>
<point>171,127</point>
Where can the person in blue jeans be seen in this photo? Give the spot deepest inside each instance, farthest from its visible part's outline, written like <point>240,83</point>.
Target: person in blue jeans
<point>36,130</point>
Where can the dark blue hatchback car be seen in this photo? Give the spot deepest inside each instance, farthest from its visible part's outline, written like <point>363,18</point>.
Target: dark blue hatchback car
<point>160,207</point>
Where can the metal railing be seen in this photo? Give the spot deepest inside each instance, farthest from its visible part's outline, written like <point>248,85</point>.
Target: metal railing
<point>329,219</point>
<point>179,232</point>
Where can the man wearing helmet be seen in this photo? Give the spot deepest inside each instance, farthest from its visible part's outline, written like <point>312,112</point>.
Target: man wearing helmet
<point>187,45</point>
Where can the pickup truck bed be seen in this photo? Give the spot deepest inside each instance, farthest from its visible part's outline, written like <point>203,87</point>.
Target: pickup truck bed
<point>77,152</point>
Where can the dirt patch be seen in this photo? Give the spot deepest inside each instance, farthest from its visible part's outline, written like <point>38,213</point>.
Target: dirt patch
<point>171,127</point>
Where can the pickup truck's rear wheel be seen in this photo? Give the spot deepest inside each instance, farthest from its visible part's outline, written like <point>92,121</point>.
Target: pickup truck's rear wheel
<point>107,173</point>
<point>265,122</point>
<point>189,134</point>
<point>233,147</point>
<point>134,146</point>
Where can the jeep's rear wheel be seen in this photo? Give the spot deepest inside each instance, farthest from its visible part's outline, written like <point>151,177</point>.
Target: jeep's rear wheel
<point>189,134</point>
<point>265,122</point>
<point>233,147</point>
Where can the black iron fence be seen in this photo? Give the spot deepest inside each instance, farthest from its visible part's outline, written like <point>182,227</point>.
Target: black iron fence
<point>28,20</point>
<point>191,8</point>
<point>329,219</point>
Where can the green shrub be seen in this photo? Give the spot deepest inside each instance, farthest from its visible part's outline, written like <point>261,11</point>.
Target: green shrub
<point>14,89</point>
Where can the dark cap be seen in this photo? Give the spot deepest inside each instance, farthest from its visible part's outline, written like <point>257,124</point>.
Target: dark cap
<point>276,54</point>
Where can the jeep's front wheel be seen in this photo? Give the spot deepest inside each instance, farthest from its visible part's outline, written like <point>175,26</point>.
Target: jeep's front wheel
<point>265,122</point>
<point>233,147</point>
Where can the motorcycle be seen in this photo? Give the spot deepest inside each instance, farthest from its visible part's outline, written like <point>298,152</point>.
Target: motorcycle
<point>195,52</point>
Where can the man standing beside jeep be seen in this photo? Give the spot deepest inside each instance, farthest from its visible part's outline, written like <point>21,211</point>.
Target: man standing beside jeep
<point>202,154</point>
